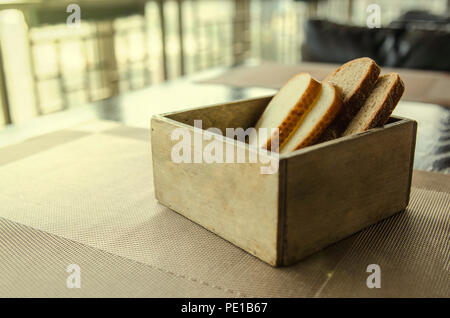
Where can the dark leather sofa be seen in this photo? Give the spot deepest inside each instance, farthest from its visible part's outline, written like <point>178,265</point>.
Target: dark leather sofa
<point>416,40</point>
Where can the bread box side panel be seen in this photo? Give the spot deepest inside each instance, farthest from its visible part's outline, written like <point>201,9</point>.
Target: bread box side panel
<point>336,189</point>
<point>233,200</point>
<point>242,113</point>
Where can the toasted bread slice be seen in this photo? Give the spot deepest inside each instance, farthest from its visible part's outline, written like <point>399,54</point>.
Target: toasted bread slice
<point>286,109</point>
<point>379,105</point>
<point>324,110</point>
<point>356,80</point>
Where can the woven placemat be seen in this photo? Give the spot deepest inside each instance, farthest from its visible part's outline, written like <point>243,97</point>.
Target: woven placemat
<point>87,198</point>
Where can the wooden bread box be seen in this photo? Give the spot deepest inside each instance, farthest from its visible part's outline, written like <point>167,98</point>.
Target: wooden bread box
<point>317,196</point>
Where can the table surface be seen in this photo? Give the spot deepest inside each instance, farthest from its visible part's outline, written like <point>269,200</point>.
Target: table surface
<point>136,108</point>
<point>81,193</point>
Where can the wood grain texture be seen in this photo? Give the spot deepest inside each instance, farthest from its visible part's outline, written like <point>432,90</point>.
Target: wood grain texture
<point>243,113</point>
<point>337,188</point>
<point>233,200</point>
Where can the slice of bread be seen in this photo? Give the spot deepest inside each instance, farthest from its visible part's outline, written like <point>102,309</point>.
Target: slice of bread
<point>379,105</point>
<point>324,110</point>
<point>356,80</point>
<point>286,110</point>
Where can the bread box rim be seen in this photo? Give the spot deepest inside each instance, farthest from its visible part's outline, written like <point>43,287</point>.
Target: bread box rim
<point>398,121</point>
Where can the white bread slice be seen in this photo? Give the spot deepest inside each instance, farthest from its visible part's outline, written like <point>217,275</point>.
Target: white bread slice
<point>286,109</point>
<point>324,110</point>
<point>356,80</point>
<point>379,105</point>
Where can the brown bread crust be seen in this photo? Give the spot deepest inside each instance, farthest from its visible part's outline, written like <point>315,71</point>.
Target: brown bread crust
<point>381,116</point>
<point>353,102</point>
<point>325,122</point>
<point>389,104</point>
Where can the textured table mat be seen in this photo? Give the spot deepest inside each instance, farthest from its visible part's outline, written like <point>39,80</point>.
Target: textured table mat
<point>85,196</point>
<point>421,86</point>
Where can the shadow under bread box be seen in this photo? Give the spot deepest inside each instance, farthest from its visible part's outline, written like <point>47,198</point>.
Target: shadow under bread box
<point>317,196</point>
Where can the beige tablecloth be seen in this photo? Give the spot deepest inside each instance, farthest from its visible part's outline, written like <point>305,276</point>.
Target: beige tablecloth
<point>85,196</point>
<point>421,86</point>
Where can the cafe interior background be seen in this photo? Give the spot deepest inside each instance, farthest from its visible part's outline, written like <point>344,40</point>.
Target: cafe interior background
<point>47,66</point>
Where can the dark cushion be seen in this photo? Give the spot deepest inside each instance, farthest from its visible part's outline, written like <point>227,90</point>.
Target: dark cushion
<point>405,43</point>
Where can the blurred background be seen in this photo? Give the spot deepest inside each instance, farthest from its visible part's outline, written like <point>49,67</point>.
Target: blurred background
<point>121,45</point>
